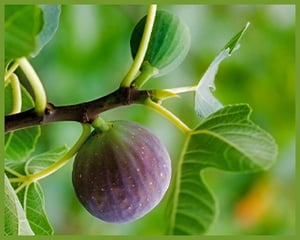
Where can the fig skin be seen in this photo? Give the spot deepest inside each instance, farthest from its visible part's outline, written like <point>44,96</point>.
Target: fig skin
<point>121,174</point>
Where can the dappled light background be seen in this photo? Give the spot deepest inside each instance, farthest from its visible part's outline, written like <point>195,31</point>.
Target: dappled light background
<point>88,57</point>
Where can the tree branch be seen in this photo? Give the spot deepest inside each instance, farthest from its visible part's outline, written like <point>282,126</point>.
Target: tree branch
<point>83,112</point>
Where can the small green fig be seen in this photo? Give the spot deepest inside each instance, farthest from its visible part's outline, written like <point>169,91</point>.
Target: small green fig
<point>169,42</point>
<point>121,174</point>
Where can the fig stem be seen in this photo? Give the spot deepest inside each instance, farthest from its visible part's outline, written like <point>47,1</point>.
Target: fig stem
<point>169,115</point>
<point>100,124</point>
<point>139,58</point>
<point>147,71</point>
<point>35,83</point>
<point>28,179</point>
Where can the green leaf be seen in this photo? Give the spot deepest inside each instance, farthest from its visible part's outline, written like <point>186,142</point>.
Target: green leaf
<point>226,140</point>
<point>28,28</point>
<point>51,15</point>
<point>194,208</point>
<point>22,24</point>
<point>15,221</point>
<point>229,140</point>
<point>205,102</point>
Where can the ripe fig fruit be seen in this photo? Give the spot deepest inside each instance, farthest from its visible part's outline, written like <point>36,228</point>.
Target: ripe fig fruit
<point>121,174</point>
<point>169,42</point>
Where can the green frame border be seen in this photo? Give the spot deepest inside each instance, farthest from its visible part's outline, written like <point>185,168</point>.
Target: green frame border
<point>228,2</point>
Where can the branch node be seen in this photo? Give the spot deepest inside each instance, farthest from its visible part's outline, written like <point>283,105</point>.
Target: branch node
<point>49,108</point>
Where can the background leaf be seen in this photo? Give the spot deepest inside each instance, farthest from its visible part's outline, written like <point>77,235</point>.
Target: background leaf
<point>51,14</point>
<point>226,140</point>
<point>15,220</point>
<point>28,28</point>
<point>22,24</point>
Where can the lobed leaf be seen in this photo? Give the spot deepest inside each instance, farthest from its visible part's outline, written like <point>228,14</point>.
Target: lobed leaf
<point>226,140</point>
<point>194,208</point>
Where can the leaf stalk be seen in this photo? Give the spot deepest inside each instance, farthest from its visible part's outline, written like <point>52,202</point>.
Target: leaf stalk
<point>169,115</point>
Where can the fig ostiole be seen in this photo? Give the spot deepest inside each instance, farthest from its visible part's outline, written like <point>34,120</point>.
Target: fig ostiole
<point>121,174</point>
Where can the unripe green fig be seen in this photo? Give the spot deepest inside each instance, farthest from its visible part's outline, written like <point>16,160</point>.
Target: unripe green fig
<point>121,174</point>
<point>169,42</point>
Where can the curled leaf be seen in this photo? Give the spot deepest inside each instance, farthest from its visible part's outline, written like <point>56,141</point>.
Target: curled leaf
<point>205,102</point>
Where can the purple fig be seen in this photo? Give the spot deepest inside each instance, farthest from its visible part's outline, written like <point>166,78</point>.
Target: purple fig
<point>121,174</point>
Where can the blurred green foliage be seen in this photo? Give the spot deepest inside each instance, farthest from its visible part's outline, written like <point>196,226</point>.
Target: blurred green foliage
<point>89,56</point>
